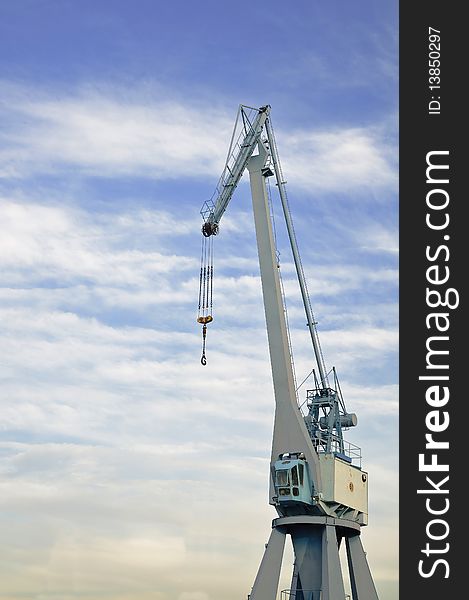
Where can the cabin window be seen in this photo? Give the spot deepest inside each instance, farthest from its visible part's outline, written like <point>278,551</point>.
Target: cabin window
<point>296,491</point>
<point>282,477</point>
<point>301,469</point>
<point>294,476</point>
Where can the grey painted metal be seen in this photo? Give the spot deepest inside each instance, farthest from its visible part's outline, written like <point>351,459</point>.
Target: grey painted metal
<point>345,524</point>
<point>296,257</point>
<point>317,572</point>
<point>332,582</point>
<point>294,581</point>
<point>361,581</point>
<point>307,543</point>
<point>266,584</point>
<point>290,433</point>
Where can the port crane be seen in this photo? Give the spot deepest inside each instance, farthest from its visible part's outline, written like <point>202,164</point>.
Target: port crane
<point>317,484</point>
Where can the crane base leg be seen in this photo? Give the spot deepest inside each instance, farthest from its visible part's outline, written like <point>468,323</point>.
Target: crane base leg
<point>317,571</point>
<point>266,584</point>
<point>317,574</point>
<point>363,587</point>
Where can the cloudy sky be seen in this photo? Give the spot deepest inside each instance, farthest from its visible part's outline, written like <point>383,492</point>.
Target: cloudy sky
<point>128,471</point>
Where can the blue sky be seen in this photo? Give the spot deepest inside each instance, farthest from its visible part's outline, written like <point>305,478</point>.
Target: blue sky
<point>129,471</point>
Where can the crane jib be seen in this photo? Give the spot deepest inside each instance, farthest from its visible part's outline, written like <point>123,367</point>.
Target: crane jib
<point>241,149</point>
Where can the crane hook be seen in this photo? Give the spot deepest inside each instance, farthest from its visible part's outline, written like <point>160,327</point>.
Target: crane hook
<point>203,360</point>
<point>204,321</point>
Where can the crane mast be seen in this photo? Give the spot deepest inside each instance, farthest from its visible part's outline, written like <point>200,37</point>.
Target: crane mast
<point>296,257</point>
<point>316,486</point>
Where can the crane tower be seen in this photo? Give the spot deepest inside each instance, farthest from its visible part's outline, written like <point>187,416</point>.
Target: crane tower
<point>317,484</point>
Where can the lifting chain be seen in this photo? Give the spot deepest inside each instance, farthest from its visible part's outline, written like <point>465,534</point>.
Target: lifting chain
<point>205,290</point>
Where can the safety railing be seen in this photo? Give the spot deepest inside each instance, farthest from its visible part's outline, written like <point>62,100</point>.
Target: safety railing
<point>304,595</point>
<point>300,595</point>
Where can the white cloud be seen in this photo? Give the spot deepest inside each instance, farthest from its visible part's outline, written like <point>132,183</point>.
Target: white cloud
<point>340,159</point>
<point>45,242</point>
<point>111,133</point>
<point>378,238</point>
<point>103,135</point>
<point>129,516</point>
<point>122,439</point>
<point>335,279</point>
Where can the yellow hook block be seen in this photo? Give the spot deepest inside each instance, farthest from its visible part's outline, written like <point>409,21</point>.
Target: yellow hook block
<point>205,320</point>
